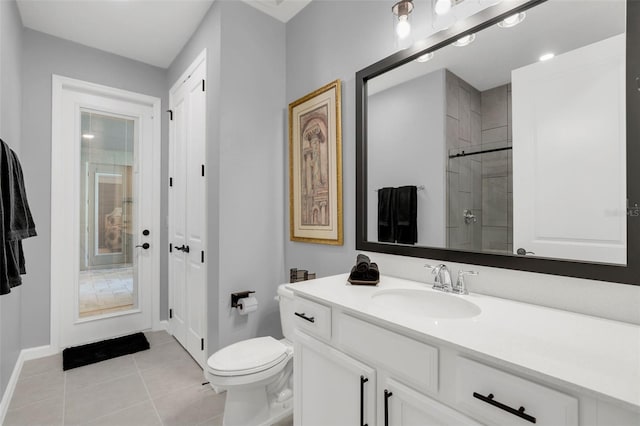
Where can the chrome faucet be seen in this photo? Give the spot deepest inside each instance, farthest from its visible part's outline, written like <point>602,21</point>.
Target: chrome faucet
<point>460,287</point>
<point>442,281</point>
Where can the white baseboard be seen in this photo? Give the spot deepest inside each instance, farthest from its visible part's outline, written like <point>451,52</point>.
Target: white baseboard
<point>25,355</point>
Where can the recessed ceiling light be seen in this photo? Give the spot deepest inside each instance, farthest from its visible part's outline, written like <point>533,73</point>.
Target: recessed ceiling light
<point>425,57</point>
<point>442,7</point>
<point>88,136</point>
<point>512,21</point>
<point>465,41</point>
<point>546,57</point>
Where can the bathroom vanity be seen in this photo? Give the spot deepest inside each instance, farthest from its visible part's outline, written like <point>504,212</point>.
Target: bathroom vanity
<point>401,353</point>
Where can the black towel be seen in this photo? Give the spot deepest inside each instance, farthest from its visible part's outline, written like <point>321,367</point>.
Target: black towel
<point>372,274</point>
<point>16,222</point>
<point>362,263</point>
<point>386,218</point>
<point>406,211</point>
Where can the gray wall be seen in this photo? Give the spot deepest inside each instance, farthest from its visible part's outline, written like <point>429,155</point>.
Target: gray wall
<point>245,132</point>
<point>406,146</point>
<point>43,56</point>
<point>10,131</point>
<point>325,41</point>
<point>330,40</point>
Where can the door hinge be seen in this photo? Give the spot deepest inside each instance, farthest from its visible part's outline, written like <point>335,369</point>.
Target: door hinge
<point>170,114</point>
<point>170,313</point>
<point>170,181</point>
<point>170,248</point>
<point>202,256</point>
<point>202,344</point>
<point>203,170</point>
<point>203,85</point>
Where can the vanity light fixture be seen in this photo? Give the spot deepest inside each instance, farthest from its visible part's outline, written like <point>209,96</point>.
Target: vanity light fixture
<point>424,58</point>
<point>401,22</point>
<point>464,41</point>
<point>512,21</point>
<point>546,57</point>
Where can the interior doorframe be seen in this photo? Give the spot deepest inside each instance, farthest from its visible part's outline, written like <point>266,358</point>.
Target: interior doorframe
<point>58,186</point>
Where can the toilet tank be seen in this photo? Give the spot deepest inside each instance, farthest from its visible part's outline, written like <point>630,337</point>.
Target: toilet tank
<point>285,297</point>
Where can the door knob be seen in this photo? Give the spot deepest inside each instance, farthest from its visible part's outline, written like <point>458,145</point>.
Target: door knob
<point>523,252</point>
<point>144,246</point>
<point>183,248</point>
<point>145,232</point>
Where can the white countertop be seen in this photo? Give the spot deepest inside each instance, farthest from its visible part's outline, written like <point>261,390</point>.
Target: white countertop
<point>590,353</point>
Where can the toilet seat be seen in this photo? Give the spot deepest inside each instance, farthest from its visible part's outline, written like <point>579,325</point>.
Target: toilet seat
<point>248,357</point>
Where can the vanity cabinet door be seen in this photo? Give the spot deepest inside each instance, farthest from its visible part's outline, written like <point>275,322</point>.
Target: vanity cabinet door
<point>406,407</point>
<point>331,388</point>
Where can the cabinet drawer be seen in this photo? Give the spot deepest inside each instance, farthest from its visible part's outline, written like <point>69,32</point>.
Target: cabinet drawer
<point>410,361</point>
<point>495,397</point>
<point>312,317</point>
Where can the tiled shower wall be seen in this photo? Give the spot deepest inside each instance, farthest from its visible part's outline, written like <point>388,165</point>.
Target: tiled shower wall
<point>478,121</point>
<point>464,174</point>
<point>497,170</point>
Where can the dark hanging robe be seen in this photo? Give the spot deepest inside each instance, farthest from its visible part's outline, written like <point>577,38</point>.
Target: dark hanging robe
<point>16,222</point>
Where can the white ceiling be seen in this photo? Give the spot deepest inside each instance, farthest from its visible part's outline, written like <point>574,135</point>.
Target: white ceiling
<point>150,31</point>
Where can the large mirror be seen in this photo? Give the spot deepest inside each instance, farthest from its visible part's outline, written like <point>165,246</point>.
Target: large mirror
<point>503,141</point>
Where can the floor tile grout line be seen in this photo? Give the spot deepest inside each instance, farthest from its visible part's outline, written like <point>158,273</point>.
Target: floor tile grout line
<point>153,404</point>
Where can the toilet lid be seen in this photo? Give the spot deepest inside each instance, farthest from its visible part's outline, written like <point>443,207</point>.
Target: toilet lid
<point>247,357</point>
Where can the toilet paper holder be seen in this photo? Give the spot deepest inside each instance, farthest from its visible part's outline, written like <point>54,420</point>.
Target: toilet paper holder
<point>239,295</point>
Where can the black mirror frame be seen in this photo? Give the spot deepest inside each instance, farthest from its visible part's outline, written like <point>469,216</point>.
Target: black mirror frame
<point>629,274</point>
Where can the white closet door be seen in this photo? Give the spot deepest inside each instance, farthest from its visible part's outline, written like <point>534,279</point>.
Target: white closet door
<point>187,208</point>
<point>587,222</point>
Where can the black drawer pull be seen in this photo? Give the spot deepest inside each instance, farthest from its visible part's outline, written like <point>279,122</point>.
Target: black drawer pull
<point>304,317</point>
<point>387,395</point>
<point>363,380</point>
<point>519,412</point>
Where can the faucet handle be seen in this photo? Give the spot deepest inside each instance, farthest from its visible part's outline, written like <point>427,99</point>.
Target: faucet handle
<point>460,287</point>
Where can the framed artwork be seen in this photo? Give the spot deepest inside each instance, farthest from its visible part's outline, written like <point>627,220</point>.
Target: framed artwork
<point>315,167</point>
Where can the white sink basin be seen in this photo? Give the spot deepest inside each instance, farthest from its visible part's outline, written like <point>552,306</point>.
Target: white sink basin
<point>430,304</point>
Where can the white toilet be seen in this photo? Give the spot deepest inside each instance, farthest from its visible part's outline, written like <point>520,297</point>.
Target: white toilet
<point>257,374</point>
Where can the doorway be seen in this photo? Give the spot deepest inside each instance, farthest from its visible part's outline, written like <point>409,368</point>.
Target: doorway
<point>105,212</point>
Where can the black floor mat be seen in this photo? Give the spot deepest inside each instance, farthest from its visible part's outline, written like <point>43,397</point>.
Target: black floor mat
<point>101,351</point>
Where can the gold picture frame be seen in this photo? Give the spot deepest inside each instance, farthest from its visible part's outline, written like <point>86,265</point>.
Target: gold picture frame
<point>315,167</point>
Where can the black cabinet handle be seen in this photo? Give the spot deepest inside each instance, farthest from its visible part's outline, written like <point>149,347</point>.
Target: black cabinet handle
<point>183,248</point>
<point>304,317</point>
<point>520,412</point>
<point>363,380</point>
<point>387,395</point>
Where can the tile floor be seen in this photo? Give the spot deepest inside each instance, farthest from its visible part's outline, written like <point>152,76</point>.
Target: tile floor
<point>160,386</point>
<point>104,291</point>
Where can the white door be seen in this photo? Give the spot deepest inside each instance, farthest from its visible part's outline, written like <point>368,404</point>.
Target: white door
<point>331,388</point>
<point>105,212</point>
<point>187,208</point>
<point>406,407</point>
<point>588,222</point>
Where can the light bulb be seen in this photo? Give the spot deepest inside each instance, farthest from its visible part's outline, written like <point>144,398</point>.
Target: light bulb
<point>546,57</point>
<point>88,136</point>
<point>442,6</point>
<point>403,28</point>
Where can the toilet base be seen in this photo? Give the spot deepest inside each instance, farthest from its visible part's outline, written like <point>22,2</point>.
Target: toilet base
<point>252,407</point>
